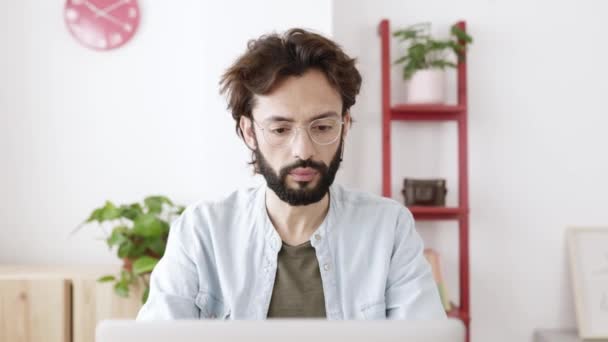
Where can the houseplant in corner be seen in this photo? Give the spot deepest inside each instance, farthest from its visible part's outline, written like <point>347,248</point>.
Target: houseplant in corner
<point>138,232</point>
<point>426,59</point>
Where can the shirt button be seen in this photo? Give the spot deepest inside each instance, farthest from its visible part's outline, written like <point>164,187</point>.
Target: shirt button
<point>326,267</point>
<point>318,237</point>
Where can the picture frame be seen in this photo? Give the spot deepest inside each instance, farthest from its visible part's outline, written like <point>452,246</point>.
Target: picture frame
<point>588,256</point>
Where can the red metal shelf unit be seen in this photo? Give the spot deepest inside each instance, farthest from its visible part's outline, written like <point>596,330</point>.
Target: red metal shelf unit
<point>456,113</point>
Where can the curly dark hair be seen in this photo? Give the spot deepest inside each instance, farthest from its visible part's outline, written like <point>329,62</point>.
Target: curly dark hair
<point>273,57</point>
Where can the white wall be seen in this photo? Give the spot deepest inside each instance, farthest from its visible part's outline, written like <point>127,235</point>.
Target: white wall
<point>78,127</point>
<point>537,144</point>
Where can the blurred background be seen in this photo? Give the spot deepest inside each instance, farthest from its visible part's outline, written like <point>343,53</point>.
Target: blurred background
<point>80,126</point>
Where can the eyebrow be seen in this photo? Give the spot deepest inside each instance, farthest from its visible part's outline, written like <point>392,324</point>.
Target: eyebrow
<point>275,118</point>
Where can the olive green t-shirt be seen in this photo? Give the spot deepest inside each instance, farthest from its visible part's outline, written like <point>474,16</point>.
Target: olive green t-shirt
<point>298,290</point>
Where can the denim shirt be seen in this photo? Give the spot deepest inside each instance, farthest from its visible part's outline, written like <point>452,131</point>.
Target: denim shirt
<point>221,261</point>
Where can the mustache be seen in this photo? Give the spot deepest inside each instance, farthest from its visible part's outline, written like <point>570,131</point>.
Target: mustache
<point>322,168</point>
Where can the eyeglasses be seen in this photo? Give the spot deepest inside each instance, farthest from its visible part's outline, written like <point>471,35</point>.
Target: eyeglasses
<point>322,131</point>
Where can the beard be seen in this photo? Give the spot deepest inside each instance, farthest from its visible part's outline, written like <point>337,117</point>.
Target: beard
<point>303,195</point>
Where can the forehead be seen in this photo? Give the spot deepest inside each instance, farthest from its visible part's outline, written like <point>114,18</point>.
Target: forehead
<point>299,98</point>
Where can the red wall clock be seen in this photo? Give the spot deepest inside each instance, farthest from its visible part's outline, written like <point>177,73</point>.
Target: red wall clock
<point>102,24</point>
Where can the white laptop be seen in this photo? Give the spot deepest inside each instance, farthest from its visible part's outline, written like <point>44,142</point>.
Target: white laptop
<point>281,330</point>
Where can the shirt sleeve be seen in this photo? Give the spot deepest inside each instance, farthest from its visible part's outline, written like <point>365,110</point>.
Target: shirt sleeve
<point>174,281</point>
<point>411,291</point>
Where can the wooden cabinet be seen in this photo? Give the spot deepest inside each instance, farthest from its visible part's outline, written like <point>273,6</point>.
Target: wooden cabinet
<point>59,304</point>
<point>35,310</point>
<point>93,302</point>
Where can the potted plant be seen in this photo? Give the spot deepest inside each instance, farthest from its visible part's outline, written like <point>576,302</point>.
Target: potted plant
<point>139,234</point>
<point>426,59</point>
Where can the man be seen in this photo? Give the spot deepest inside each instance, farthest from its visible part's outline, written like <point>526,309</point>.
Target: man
<point>297,246</point>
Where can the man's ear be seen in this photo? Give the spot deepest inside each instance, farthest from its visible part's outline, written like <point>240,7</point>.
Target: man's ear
<point>347,122</point>
<point>246,126</point>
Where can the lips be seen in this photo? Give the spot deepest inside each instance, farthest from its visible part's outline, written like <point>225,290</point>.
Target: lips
<point>303,174</point>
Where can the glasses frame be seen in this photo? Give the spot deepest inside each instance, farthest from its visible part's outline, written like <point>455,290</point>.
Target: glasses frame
<point>297,128</point>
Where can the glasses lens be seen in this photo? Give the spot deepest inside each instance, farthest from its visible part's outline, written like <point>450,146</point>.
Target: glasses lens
<point>278,133</point>
<point>324,131</point>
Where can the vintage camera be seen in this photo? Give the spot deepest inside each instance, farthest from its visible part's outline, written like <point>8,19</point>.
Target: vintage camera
<point>424,192</point>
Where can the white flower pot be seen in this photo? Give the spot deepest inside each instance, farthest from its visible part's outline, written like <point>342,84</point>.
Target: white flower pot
<point>427,86</point>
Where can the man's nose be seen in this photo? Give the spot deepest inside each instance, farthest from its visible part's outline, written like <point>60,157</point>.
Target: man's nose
<point>302,146</point>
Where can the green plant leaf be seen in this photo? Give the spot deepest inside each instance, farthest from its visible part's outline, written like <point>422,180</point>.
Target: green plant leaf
<point>409,71</point>
<point>142,243</point>
<point>105,213</point>
<point>95,215</point>
<point>125,249</point>
<point>437,45</point>
<point>106,279</point>
<point>148,225</point>
<point>424,52</point>
<point>165,227</point>
<point>144,297</point>
<point>127,277</point>
<point>461,35</point>
<point>139,250</point>
<point>157,245</point>
<point>131,211</point>
<point>417,53</point>
<point>121,288</point>
<point>407,34</point>
<point>414,31</point>
<point>401,60</point>
<point>109,212</point>
<point>118,236</point>
<point>144,264</point>
<point>441,64</point>
<point>155,203</point>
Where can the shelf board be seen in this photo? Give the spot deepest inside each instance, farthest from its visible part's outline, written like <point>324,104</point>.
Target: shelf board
<point>436,213</point>
<point>424,112</point>
<point>456,312</point>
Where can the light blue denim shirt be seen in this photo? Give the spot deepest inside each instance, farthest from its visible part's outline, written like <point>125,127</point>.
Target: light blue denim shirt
<point>221,261</point>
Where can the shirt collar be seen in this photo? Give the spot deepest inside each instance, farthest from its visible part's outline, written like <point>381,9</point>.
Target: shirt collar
<point>270,234</point>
